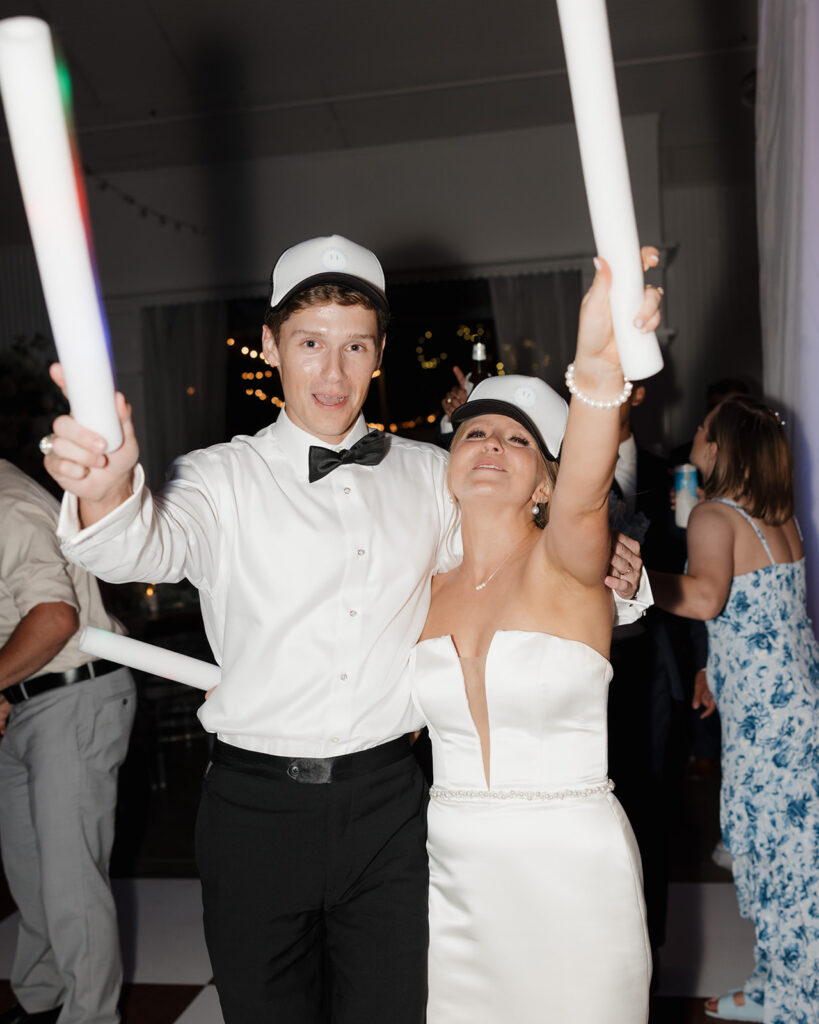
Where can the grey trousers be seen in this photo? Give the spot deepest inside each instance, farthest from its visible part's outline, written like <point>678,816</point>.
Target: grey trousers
<point>58,792</point>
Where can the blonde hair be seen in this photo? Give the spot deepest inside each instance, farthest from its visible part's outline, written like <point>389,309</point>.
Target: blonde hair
<point>549,469</point>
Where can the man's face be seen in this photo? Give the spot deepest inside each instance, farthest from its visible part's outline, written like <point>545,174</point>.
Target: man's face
<point>326,356</point>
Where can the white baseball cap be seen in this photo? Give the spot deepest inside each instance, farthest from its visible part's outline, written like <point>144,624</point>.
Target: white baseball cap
<point>331,258</point>
<point>529,400</point>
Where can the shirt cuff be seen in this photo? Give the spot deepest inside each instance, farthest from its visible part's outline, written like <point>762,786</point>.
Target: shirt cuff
<point>72,535</point>
<point>631,611</point>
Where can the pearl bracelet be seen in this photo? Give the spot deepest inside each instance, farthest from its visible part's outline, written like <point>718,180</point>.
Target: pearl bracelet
<point>624,395</point>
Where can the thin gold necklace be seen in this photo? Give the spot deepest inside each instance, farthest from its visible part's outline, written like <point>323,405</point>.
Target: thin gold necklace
<point>495,572</point>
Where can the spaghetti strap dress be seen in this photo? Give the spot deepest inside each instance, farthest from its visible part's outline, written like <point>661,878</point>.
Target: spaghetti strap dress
<point>763,669</point>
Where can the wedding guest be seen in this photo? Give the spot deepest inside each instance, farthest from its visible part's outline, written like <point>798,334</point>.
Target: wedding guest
<point>644,660</point>
<point>67,720</point>
<point>746,578</point>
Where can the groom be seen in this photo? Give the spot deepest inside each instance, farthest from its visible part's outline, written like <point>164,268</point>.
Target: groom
<point>312,545</point>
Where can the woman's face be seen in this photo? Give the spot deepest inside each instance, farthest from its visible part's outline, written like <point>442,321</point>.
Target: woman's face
<point>704,452</point>
<point>499,458</point>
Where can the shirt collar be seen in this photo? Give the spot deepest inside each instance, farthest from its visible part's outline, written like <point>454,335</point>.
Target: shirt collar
<point>295,443</point>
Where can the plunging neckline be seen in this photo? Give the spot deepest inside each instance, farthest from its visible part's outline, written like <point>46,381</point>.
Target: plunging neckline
<point>485,658</point>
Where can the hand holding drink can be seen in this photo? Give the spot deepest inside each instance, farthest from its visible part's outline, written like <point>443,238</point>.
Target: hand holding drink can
<point>685,492</point>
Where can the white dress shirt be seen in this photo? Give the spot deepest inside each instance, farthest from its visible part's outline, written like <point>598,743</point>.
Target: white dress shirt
<point>312,595</point>
<point>625,472</point>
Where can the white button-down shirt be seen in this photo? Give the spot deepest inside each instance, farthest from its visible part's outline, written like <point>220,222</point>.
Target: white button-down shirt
<point>312,594</point>
<point>625,472</point>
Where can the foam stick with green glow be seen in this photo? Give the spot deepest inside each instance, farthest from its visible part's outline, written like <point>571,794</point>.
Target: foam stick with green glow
<point>36,92</point>
<point>585,30</point>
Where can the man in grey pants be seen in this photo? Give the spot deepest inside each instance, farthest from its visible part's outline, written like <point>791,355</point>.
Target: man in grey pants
<point>66,722</point>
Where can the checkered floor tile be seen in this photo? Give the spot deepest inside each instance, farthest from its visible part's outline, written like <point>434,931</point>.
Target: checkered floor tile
<point>167,972</point>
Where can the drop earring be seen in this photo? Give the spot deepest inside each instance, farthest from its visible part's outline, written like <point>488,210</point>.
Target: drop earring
<point>535,509</point>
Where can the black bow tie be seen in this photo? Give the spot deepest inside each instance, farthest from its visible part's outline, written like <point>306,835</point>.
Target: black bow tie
<point>369,451</point>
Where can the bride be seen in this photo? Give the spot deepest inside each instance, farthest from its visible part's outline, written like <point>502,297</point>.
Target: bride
<point>536,908</point>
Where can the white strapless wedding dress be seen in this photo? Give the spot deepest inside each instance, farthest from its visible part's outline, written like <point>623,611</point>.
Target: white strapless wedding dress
<point>535,907</point>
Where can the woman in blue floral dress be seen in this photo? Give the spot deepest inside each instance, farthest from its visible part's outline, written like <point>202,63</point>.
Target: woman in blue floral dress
<point>746,577</point>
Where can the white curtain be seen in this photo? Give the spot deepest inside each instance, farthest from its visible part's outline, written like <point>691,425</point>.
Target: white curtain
<point>787,115</point>
<point>536,322</point>
<point>185,351</point>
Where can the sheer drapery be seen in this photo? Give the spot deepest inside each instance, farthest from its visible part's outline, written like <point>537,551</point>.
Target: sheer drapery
<point>185,351</point>
<point>536,322</point>
<point>787,125</point>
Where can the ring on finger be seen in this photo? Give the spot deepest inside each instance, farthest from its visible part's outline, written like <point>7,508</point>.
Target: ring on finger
<point>46,444</point>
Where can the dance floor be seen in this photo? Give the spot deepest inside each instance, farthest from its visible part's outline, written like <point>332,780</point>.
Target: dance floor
<point>167,972</point>
<point>709,949</point>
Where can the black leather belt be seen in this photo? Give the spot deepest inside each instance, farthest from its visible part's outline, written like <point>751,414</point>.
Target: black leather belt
<point>28,688</point>
<point>311,769</point>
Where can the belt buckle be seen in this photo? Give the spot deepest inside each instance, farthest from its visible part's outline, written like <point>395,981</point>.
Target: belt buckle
<point>313,771</point>
<point>16,693</point>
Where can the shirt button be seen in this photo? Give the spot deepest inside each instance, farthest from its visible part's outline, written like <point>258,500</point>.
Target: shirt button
<point>343,677</point>
<point>353,613</point>
<point>334,739</point>
<point>346,490</point>
<point>361,552</point>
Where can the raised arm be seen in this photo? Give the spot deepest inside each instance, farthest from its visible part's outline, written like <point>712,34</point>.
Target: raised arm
<point>137,536</point>
<point>578,538</point>
<point>77,461</point>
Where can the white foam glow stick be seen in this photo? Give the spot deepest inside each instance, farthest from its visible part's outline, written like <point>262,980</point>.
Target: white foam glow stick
<point>36,98</point>
<point>156,660</point>
<point>585,30</point>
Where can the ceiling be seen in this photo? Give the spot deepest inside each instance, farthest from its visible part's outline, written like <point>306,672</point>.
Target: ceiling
<point>165,82</point>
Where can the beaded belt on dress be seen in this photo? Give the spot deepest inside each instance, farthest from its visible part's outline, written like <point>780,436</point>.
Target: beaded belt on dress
<point>437,793</point>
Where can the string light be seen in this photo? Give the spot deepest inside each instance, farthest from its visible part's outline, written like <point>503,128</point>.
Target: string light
<point>410,424</point>
<point>145,211</point>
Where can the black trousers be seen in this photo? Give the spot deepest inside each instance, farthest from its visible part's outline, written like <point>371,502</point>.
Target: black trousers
<point>638,729</point>
<point>315,895</point>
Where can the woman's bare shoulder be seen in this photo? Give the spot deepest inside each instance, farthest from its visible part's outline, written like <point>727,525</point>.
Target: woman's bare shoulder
<point>713,515</point>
